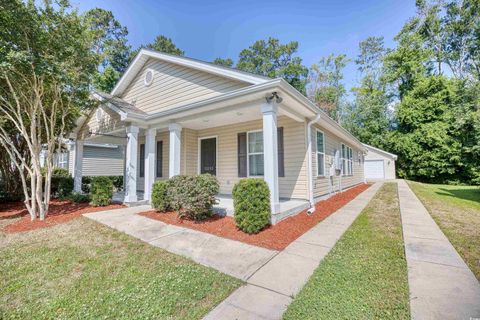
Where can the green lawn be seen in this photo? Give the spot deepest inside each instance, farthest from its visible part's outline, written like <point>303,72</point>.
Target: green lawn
<point>456,209</point>
<point>365,274</point>
<point>82,270</point>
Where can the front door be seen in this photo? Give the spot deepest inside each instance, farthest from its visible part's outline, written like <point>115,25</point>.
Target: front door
<point>208,156</point>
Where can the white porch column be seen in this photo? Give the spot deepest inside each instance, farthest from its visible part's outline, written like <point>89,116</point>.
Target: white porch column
<point>149,162</point>
<point>175,147</point>
<point>131,164</point>
<point>270,153</point>
<point>77,166</point>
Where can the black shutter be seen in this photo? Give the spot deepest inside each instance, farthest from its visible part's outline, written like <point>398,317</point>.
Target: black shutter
<point>242,154</point>
<point>159,159</point>
<point>142,160</point>
<point>281,166</point>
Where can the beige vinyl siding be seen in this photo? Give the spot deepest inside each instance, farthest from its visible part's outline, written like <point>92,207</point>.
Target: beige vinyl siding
<point>293,185</point>
<point>100,161</point>
<point>332,143</point>
<point>174,86</point>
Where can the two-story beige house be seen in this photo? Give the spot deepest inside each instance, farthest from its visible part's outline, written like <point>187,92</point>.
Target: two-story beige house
<point>176,115</point>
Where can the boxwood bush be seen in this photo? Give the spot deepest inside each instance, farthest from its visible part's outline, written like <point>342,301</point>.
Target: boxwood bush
<point>101,191</point>
<point>116,180</point>
<point>61,185</point>
<point>160,200</point>
<point>193,196</point>
<point>79,197</point>
<point>251,199</point>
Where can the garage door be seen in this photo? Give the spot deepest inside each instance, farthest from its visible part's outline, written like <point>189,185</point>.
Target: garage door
<point>374,169</point>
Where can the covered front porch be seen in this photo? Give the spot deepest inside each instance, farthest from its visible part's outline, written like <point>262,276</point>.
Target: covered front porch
<point>255,136</point>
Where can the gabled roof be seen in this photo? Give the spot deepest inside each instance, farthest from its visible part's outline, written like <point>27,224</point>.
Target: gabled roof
<point>145,54</point>
<point>118,105</point>
<point>388,154</point>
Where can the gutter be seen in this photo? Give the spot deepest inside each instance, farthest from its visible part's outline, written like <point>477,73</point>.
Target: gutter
<point>309,163</point>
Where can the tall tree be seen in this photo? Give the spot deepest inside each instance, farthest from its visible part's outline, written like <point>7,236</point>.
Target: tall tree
<point>272,59</point>
<point>325,85</point>
<point>427,149</point>
<point>111,44</point>
<point>369,116</point>
<point>45,78</point>
<point>161,44</point>
<point>223,62</point>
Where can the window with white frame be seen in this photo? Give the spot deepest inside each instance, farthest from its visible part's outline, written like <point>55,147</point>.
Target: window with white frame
<point>347,160</point>
<point>61,160</point>
<point>255,153</point>
<point>320,153</point>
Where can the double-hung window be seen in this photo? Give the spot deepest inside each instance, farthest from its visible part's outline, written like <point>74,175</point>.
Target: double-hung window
<point>320,153</point>
<point>255,153</point>
<point>347,160</point>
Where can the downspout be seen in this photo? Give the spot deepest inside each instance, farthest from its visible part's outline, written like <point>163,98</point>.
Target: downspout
<point>309,164</point>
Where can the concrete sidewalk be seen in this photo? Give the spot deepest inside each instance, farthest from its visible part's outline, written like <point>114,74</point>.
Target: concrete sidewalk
<point>269,290</point>
<point>441,284</point>
<point>234,258</point>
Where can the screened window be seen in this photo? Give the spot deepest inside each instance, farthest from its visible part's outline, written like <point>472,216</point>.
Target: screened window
<point>347,160</point>
<point>320,153</point>
<point>159,159</point>
<point>255,153</point>
<point>142,160</point>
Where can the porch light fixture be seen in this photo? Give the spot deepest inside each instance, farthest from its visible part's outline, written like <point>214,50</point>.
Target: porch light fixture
<point>274,95</point>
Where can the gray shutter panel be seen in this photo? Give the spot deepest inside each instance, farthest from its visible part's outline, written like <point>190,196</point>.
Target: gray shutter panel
<point>242,154</point>
<point>281,165</point>
<point>159,159</point>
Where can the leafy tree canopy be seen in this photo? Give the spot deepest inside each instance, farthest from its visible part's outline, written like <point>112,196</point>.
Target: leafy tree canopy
<point>272,59</point>
<point>161,44</point>
<point>223,62</point>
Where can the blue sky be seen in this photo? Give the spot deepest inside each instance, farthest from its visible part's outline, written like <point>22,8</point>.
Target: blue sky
<point>209,29</point>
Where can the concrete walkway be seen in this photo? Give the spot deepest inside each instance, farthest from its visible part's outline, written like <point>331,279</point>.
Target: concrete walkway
<point>441,284</point>
<point>270,289</point>
<point>234,258</point>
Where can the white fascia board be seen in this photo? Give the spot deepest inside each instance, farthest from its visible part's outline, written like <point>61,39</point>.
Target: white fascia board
<point>391,155</point>
<point>144,54</point>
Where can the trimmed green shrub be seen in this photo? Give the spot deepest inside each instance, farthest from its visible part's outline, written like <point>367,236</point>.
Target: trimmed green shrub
<point>160,200</point>
<point>251,199</point>
<point>193,196</point>
<point>79,197</point>
<point>116,180</point>
<point>61,184</point>
<point>102,191</point>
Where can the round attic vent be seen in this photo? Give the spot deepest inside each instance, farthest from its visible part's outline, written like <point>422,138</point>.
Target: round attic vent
<point>148,77</point>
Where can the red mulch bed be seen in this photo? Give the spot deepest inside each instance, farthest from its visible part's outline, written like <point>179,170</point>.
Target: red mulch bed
<point>58,212</point>
<point>276,237</point>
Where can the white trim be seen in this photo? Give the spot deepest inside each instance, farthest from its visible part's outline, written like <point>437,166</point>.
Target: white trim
<point>388,154</point>
<point>254,153</point>
<point>199,160</point>
<point>317,152</point>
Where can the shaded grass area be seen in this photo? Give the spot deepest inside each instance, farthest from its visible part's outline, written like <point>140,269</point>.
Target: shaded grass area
<point>365,274</point>
<point>82,270</point>
<point>456,210</point>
